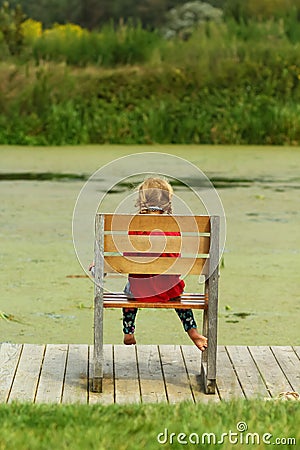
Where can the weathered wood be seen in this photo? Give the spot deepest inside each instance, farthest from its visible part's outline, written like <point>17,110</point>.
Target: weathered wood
<point>149,222</point>
<point>9,358</point>
<point>252,372</point>
<point>76,377</point>
<point>127,388</point>
<point>98,304</point>
<point>154,265</point>
<point>289,363</point>
<point>151,376</point>
<point>205,330</point>
<point>156,243</point>
<point>106,397</point>
<point>119,300</point>
<point>227,382</point>
<point>27,376</point>
<point>192,360</point>
<point>176,380</point>
<point>273,376</point>
<point>205,322</point>
<point>123,251</point>
<point>212,313</point>
<point>247,373</point>
<point>51,382</point>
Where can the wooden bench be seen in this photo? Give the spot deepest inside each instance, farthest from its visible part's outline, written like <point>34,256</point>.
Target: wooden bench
<point>119,251</point>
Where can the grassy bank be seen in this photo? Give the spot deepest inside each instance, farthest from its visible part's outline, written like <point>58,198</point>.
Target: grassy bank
<point>57,106</point>
<point>130,427</point>
<point>228,84</point>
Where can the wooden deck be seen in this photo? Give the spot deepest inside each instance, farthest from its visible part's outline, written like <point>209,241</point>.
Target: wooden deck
<point>143,373</point>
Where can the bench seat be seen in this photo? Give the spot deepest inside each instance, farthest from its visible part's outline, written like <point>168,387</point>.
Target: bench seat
<point>188,300</point>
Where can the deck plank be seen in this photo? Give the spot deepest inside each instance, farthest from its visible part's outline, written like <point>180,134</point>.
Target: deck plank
<point>247,372</point>
<point>192,361</point>
<point>175,376</point>
<point>107,396</point>
<point>151,376</point>
<point>146,373</point>
<point>27,375</point>
<point>127,388</point>
<point>227,383</point>
<point>76,376</point>
<point>50,387</point>
<point>271,372</point>
<point>9,358</point>
<point>289,363</point>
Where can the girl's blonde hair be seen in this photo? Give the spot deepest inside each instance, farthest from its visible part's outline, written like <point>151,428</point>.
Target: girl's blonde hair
<point>155,194</point>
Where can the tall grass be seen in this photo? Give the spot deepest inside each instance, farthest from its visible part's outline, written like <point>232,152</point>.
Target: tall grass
<point>127,44</point>
<point>229,83</point>
<point>55,106</point>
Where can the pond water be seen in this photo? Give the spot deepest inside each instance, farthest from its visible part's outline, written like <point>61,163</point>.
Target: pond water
<point>45,297</point>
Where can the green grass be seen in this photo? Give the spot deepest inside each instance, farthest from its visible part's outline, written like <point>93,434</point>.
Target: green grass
<point>122,427</point>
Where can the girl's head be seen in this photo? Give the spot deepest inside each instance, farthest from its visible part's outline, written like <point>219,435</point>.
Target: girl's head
<point>155,195</point>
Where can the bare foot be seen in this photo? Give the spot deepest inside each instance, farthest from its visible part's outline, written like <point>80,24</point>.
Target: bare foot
<point>199,340</point>
<point>129,339</point>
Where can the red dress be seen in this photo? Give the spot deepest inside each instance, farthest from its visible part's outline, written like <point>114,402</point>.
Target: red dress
<point>155,288</point>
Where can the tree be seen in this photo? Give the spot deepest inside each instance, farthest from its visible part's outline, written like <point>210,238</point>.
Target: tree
<point>95,12</point>
<point>11,20</point>
<point>92,14</point>
<point>152,12</point>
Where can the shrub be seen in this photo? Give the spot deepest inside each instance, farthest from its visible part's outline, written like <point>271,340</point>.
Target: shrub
<point>31,31</point>
<point>183,19</point>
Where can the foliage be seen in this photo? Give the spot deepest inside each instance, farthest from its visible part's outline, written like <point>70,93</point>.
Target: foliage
<point>267,9</point>
<point>93,14</point>
<point>11,21</point>
<point>181,21</point>
<point>230,83</point>
<point>208,98</point>
<point>128,44</point>
<point>31,31</point>
<point>50,12</point>
<point>245,10</point>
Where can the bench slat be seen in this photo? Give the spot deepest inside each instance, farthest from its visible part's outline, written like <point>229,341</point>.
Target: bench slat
<point>154,265</point>
<point>148,222</point>
<point>158,244</point>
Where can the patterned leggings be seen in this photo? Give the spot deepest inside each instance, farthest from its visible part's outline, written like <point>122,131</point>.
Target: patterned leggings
<point>185,315</point>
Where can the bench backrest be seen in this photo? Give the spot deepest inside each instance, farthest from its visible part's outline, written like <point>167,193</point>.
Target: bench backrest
<point>156,244</point>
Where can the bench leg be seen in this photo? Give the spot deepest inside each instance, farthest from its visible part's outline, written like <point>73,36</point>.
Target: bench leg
<point>97,385</point>
<point>209,357</point>
<point>209,384</point>
<point>210,322</point>
<point>205,333</point>
<point>98,305</point>
<point>97,361</point>
<point>98,346</point>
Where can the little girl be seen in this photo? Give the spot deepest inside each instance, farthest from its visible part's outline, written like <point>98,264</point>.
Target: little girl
<point>154,197</point>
